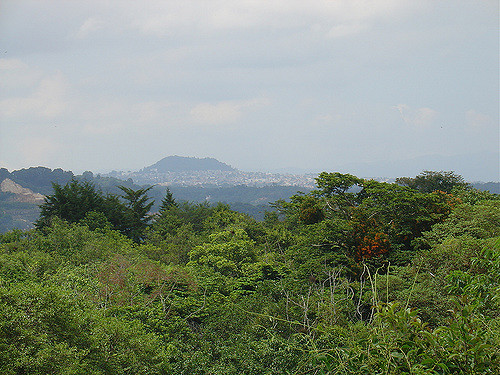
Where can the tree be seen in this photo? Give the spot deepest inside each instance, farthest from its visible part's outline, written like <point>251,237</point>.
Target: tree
<point>429,181</point>
<point>70,202</point>
<point>76,200</point>
<point>80,201</point>
<point>137,217</point>
<point>226,252</point>
<point>167,202</point>
<point>340,192</point>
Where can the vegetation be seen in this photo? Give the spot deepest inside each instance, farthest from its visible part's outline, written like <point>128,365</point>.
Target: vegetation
<point>355,277</point>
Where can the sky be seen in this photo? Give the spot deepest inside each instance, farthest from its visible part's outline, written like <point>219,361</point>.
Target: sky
<point>261,85</point>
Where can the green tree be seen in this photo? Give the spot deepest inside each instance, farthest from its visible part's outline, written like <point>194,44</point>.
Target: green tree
<point>70,202</point>
<point>429,181</point>
<point>137,216</point>
<point>226,252</point>
<point>46,330</point>
<point>81,201</point>
<point>167,202</point>
<point>339,191</point>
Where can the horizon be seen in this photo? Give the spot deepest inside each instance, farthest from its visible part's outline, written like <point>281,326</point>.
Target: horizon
<point>282,171</point>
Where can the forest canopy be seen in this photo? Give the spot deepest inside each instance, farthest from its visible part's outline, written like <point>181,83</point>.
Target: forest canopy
<point>354,277</point>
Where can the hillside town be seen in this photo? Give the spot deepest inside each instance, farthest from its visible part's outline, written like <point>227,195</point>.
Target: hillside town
<point>215,178</point>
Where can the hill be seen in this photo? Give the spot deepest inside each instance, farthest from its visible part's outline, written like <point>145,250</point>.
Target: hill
<point>187,164</point>
<point>37,179</point>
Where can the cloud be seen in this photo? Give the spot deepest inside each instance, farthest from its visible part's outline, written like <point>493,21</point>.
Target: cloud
<point>419,118</point>
<point>327,119</point>
<point>99,128</point>
<point>163,18</point>
<point>48,100</point>
<point>477,120</point>
<point>162,72</point>
<point>344,30</point>
<point>11,64</point>
<point>216,114</point>
<point>151,112</point>
<point>91,25</point>
<point>15,75</point>
<point>225,112</point>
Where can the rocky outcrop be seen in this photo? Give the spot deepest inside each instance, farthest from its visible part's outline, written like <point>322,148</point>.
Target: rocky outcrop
<point>21,194</point>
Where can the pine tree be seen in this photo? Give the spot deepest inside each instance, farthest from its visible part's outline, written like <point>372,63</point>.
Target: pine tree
<point>138,211</point>
<point>167,202</point>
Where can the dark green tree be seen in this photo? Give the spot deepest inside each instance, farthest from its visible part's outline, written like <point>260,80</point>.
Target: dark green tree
<point>76,200</point>
<point>429,181</point>
<point>137,215</point>
<point>70,202</point>
<point>167,202</point>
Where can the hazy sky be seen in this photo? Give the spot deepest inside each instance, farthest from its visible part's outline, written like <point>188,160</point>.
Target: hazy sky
<point>258,84</point>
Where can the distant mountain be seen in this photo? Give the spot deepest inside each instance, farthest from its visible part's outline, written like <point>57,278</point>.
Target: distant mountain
<point>187,164</point>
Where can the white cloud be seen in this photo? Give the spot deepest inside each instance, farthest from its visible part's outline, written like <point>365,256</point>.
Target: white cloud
<point>11,64</point>
<point>161,18</point>
<point>91,25</point>
<point>99,128</point>
<point>163,71</point>
<point>16,74</point>
<point>343,30</point>
<point>216,114</point>
<point>225,112</point>
<point>476,120</point>
<point>48,100</point>
<point>420,117</point>
<point>151,112</point>
<point>327,119</point>
<point>424,116</point>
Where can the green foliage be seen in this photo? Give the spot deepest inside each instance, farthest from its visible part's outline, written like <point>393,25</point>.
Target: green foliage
<point>400,343</point>
<point>167,202</point>
<point>339,191</point>
<point>184,213</point>
<point>227,252</point>
<point>70,202</point>
<point>14,235</point>
<point>81,201</point>
<point>333,283</point>
<point>136,216</point>
<point>44,330</point>
<point>473,196</point>
<point>96,221</point>
<point>429,181</point>
<point>481,220</point>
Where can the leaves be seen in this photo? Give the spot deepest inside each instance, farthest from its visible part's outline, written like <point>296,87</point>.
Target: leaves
<point>205,290</point>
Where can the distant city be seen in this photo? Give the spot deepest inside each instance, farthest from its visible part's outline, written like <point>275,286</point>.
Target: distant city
<point>208,172</point>
<point>215,178</point>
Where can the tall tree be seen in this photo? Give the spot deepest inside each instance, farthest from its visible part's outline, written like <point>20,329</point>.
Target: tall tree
<point>137,217</point>
<point>167,202</point>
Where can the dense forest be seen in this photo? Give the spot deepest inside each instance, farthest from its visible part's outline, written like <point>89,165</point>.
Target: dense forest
<point>354,277</point>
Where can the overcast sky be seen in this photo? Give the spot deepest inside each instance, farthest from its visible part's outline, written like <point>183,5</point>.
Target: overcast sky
<point>258,84</point>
